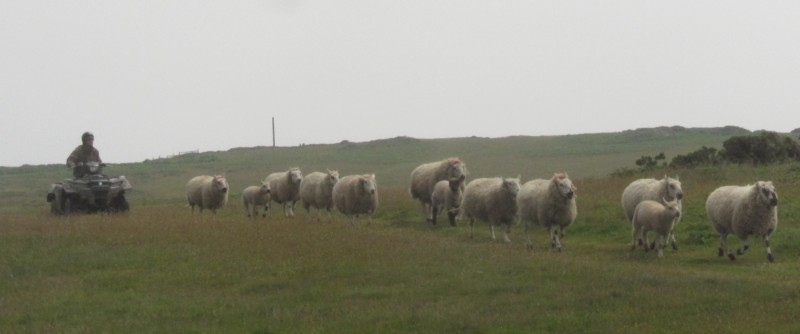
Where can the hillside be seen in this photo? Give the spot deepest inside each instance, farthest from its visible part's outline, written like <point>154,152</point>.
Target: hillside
<point>582,156</point>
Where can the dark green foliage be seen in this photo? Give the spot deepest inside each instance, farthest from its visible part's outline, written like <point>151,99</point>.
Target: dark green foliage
<point>764,148</point>
<point>706,156</point>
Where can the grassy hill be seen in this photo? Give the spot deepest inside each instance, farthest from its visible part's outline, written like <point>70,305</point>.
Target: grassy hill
<point>158,269</point>
<point>582,156</point>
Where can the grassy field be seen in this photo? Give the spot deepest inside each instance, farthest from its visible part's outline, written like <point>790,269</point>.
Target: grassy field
<point>158,269</point>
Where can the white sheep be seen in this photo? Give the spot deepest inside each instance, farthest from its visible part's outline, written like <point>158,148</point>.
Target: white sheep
<point>654,190</point>
<point>744,211</point>
<point>549,203</point>
<point>316,190</point>
<point>285,188</point>
<point>447,196</point>
<point>493,200</point>
<point>207,192</point>
<point>659,217</point>
<point>255,196</point>
<point>425,177</point>
<point>356,194</point>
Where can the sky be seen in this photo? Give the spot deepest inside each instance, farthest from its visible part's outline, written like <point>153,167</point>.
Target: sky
<point>153,78</point>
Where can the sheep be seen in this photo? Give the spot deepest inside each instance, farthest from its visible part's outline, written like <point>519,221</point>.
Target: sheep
<point>316,190</point>
<point>550,203</point>
<point>356,194</point>
<point>654,190</point>
<point>255,196</point>
<point>285,188</point>
<point>207,192</point>
<point>493,200</point>
<point>659,217</point>
<point>744,211</point>
<point>447,196</point>
<point>425,177</point>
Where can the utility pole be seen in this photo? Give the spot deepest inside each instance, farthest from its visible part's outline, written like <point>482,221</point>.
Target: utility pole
<point>273,132</point>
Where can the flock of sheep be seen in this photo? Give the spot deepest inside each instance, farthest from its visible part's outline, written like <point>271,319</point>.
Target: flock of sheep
<point>648,204</point>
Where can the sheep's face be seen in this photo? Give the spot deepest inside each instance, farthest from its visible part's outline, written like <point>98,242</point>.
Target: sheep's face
<point>333,176</point>
<point>673,208</point>
<point>767,193</point>
<point>265,188</point>
<point>674,188</point>
<point>565,186</point>
<point>456,170</point>
<point>368,185</point>
<point>220,183</point>
<point>511,185</point>
<point>295,175</point>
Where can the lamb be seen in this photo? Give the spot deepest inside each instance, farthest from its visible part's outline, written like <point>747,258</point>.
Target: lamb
<point>493,200</point>
<point>654,190</point>
<point>744,211</point>
<point>255,196</point>
<point>285,188</point>
<point>207,192</point>
<point>316,190</point>
<point>447,196</point>
<point>356,194</point>
<point>654,216</point>
<point>550,203</point>
<point>425,177</point>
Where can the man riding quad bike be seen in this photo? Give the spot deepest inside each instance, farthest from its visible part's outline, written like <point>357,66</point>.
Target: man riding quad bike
<point>93,192</point>
<point>90,191</point>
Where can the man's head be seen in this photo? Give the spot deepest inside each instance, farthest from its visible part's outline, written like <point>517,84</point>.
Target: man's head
<point>87,138</point>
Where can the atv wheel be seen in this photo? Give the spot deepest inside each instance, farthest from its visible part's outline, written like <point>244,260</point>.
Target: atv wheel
<point>67,207</point>
<point>57,204</point>
<point>121,204</point>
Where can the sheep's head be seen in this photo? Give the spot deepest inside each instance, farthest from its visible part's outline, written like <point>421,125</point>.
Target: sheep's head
<point>673,188</point>
<point>511,185</point>
<point>333,176</point>
<point>456,184</point>
<point>265,188</point>
<point>220,183</point>
<point>368,184</point>
<point>767,193</point>
<point>456,169</point>
<point>673,207</point>
<point>565,186</point>
<point>295,175</point>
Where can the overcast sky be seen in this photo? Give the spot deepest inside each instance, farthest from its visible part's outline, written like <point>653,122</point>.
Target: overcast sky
<point>154,78</point>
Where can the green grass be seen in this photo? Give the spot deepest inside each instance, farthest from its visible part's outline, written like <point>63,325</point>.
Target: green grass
<point>158,269</point>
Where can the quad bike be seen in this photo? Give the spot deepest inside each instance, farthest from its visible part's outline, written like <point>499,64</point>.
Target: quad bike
<point>93,192</point>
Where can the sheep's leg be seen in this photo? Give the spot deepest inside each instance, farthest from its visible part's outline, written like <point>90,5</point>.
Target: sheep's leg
<point>353,220</point>
<point>745,246</point>
<point>723,246</point>
<point>291,209</point>
<point>491,228</point>
<point>635,237</point>
<point>434,213</point>
<point>451,216</point>
<point>769,250</point>
<point>426,211</point>
<point>527,236</point>
<point>646,241</point>
<point>662,243</point>
<point>506,233</point>
<point>554,237</point>
<point>672,240</point>
<point>369,219</point>
<point>471,222</point>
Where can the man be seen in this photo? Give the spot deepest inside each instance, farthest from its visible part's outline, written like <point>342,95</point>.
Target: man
<point>83,154</point>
